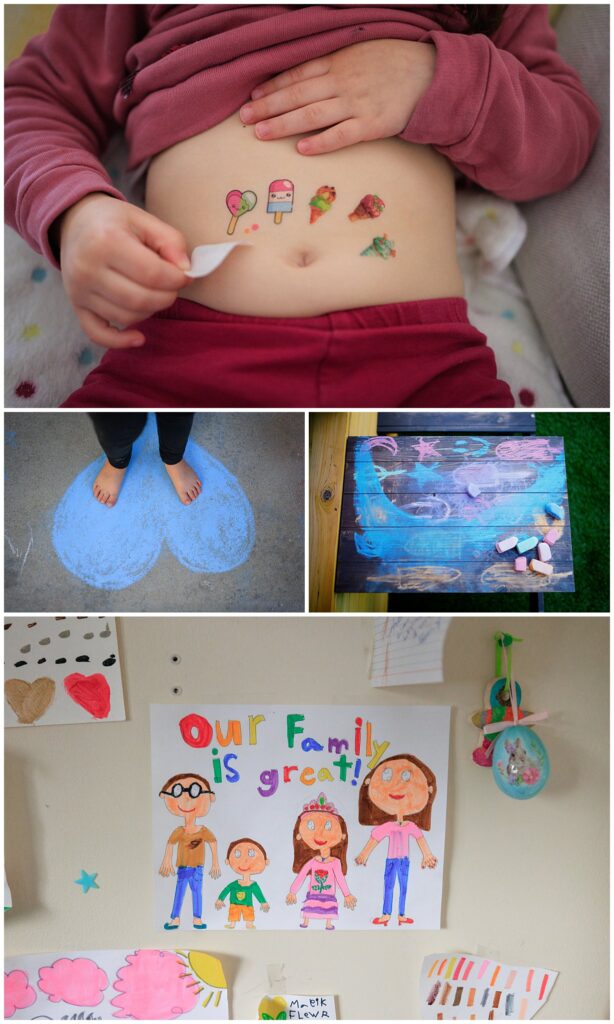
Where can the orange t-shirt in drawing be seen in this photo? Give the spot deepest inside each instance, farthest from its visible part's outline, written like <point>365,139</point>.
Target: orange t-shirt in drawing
<point>191,849</point>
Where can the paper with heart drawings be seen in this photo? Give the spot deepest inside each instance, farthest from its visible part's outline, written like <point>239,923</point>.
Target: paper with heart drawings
<point>61,671</point>
<point>108,984</point>
<point>297,1008</point>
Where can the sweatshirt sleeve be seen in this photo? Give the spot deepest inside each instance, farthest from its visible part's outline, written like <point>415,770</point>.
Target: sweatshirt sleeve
<point>508,111</point>
<point>300,878</point>
<point>59,99</point>
<point>258,893</point>
<point>338,872</point>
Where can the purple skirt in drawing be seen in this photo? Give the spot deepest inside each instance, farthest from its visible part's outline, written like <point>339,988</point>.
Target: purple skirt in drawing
<point>318,904</point>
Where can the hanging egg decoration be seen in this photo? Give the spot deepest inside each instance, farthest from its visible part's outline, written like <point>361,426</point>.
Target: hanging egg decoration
<point>520,763</point>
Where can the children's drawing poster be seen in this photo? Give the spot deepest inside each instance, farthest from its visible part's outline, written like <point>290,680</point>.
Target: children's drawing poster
<point>297,1008</point>
<point>408,649</point>
<point>465,987</point>
<point>61,671</point>
<point>318,818</point>
<point>123,984</point>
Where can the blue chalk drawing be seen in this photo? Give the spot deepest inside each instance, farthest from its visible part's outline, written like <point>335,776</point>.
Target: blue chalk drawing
<point>112,548</point>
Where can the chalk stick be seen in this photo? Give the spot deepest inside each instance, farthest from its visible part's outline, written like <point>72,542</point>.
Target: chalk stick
<point>551,537</point>
<point>555,510</point>
<point>545,568</point>
<point>506,545</point>
<point>543,552</point>
<point>473,490</point>
<point>527,545</point>
<point>520,564</point>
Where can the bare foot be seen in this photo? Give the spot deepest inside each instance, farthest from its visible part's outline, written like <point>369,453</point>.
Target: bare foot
<point>185,482</point>
<point>108,484</point>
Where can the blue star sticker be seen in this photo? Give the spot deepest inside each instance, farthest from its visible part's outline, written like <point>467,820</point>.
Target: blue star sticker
<point>87,881</point>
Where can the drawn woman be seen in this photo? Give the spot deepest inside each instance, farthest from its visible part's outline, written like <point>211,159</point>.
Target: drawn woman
<point>396,797</point>
<point>320,855</point>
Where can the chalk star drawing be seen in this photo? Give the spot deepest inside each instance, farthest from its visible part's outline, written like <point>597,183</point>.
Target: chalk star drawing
<point>87,881</point>
<point>423,473</point>
<point>112,548</point>
<point>427,448</point>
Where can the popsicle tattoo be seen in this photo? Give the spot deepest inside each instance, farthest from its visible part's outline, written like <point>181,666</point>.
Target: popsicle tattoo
<point>369,206</point>
<point>321,202</point>
<point>239,203</point>
<point>380,246</point>
<point>281,199</point>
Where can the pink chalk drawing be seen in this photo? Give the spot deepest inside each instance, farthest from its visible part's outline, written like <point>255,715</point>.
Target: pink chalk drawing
<point>536,449</point>
<point>427,449</point>
<point>79,982</point>
<point>154,986</point>
<point>380,442</point>
<point>18,993</point>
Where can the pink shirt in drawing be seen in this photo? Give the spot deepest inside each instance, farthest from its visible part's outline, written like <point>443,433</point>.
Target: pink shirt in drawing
<point>398,836</point>
<point>325,877</point>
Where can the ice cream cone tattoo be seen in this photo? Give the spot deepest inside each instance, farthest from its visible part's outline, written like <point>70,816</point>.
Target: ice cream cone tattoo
<point>239,203</point>
<point>368,207</point>
<point>321,202</point>
<point>380,246</point>
<point>281,199</point>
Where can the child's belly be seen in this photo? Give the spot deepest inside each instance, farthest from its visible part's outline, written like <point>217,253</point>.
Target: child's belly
<point>295,267</point>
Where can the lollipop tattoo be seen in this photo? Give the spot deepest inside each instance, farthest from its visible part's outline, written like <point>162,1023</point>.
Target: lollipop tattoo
<point>281,199</point>
<point>239,203</point>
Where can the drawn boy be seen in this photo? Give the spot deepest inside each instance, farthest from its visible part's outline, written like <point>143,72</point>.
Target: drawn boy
<point>247,858</point>
<point>189,797</point>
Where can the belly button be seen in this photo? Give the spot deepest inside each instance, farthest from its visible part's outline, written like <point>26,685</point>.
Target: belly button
<point>302,258</point>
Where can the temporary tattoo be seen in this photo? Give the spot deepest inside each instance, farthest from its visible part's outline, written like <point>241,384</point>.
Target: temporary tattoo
<point>281,198</point>
<point>368,207</point>
<point>239,203</point>
<point>321,202</point>
<point>380,246</point>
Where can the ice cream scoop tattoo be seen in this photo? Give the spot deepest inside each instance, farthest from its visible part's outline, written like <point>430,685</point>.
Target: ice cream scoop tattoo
<point>380,246</point>
<point>281,198</point>
<point>321,202</point>
<point>239,203</point>
<point>368,207</point>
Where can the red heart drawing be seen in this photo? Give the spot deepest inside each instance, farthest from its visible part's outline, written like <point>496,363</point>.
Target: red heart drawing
<point>92,693</point>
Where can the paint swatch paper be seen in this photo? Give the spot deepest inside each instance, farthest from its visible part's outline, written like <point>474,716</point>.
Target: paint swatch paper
<point>61,671</point>
<point>107,984</point>
<point>408,650</point>
<point>288,780</point>
<point>466,987</point>
<point>207,258</point>
<point>297,1008</point>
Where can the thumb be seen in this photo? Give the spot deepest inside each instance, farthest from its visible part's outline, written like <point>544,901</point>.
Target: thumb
<point>167,241</point>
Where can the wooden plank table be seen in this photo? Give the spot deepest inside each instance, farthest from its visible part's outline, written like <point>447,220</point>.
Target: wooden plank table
<point>408,524</point>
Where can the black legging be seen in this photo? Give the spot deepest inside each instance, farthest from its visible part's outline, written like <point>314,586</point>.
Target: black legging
<point>117,432</point>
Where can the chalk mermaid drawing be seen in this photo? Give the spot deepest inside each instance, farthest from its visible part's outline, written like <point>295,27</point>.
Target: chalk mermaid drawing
<point>320,857</point>
<point>432,548</point>
<point>112,548</point>
<point>247,858</point>
<point>396,798</point>
<point>189,797</point>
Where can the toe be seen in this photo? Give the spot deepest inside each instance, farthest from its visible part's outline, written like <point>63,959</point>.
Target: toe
<point>111,500</point>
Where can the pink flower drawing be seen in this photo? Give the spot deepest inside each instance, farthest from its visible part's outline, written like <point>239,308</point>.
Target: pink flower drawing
<point>18,993</point>
<point>79,982</point>
<point>155,985</point>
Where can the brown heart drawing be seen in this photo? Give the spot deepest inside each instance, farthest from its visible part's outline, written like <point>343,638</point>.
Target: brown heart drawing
<point>29,701</point>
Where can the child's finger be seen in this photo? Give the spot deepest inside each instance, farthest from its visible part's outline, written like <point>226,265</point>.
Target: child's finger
<point>132,295</point>
<point>161,238</point>
<point>291,98</point>
<point>101,333</point>
<point>311,69</point>
<point>136,262</point>
<point>347,133</point>
<point>307,119</point>
<point>104,307</point>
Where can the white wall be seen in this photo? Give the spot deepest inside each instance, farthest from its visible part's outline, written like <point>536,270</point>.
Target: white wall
<point>525,882</point>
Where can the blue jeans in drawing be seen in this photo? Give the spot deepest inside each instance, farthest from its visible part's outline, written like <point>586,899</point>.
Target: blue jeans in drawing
<point>194,878</point>
<point>396,867</point>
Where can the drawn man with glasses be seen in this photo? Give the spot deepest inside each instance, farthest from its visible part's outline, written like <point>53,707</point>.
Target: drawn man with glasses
<point>189,797</point>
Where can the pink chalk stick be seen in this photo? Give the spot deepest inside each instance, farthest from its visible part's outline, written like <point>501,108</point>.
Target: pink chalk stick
<point>551,537</point>
<point>543,552</point>
<point>543,567</point>
<point>506,545</point>
<point>520,564</point>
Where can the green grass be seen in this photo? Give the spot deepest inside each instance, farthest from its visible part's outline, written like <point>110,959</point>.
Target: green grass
<point>587,453</point>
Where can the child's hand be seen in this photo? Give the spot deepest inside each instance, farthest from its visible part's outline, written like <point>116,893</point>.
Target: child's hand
<point>361,858</point>
<point>429,862</point>
<point>265,907</point>
<point>219,904</point>
<point>291,897</point>
<point>215,871</point>
<point>120,265</point>
<point>350,902</point>
<point>166,869</point>
<point>365,91</point>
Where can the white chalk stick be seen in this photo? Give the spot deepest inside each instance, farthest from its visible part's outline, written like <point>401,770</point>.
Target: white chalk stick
<point>543,567</point>
<point>506,545</point>
<point>473,490</point>
<point>543,552</point>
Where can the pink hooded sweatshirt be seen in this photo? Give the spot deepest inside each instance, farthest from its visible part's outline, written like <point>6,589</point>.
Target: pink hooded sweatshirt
<point>507,111</point>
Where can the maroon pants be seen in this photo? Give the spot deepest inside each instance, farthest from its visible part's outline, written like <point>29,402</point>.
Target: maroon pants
<point>421,354</point>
